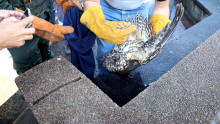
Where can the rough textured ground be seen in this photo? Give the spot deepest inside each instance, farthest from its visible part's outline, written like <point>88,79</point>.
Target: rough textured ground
<point>183,44</point>
<point>188,93</point>
<point>12,103</point>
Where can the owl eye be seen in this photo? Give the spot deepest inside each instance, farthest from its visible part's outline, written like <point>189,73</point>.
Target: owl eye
<point>116,57</point>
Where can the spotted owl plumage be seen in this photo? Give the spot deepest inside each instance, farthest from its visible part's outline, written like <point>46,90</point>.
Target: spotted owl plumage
<point>141,46</point>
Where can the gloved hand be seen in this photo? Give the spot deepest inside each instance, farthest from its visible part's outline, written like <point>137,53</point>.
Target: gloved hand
<point>158,22</point>
<point>66,4</point>
<point>46,30</point>
<point>113,32</point>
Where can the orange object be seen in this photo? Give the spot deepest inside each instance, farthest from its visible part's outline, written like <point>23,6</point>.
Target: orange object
<point>158,22</point>
<point>49,31</point>
<point>66,4</point>
<point>115,32</point>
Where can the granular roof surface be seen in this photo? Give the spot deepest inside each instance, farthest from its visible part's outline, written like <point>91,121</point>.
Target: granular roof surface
<point>188,93</point>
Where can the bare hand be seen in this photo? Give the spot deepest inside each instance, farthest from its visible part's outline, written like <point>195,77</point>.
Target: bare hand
<point>14,33</point>
<point>9,13</point>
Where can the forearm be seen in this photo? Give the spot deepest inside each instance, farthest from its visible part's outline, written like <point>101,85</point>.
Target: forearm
<point>162,7</point>
<point>4,4</point>
<point>89,3</point>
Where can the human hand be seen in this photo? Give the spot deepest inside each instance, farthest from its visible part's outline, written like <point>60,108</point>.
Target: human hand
<point>9,13</point>
<point>111,31</point>
<point>158,22</point>
<point>66,4</point>
<point>13,32</point>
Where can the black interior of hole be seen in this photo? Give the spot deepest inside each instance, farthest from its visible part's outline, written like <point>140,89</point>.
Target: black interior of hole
<point>194,12</point>
<point>121,89</point>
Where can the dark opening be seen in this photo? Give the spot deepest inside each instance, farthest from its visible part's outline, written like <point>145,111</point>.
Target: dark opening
<point>194,12</point>
<point>121,89</point>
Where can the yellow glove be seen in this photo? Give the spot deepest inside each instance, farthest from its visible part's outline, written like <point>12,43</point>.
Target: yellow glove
<point>158,22</point>
<point>112,32</point>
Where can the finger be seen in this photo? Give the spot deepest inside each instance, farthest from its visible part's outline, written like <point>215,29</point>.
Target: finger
<point>9,13</point>
<point>66,29</point>
<point>16,14</point>
<point>24,16</point>
<point>4,14</point>
<point>78,5</point>
<point>20,43</point>
<point>27,37</point>
<point>21,17</point>
<point>10,19</point>
<point>24,22</point>
<point>29,31</point>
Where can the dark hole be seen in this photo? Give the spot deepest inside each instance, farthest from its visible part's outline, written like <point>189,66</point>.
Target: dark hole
<point>121,89</point>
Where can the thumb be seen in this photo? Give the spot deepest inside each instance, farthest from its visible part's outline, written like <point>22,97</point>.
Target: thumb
<point>66,29</point>
<point>24,22</point>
